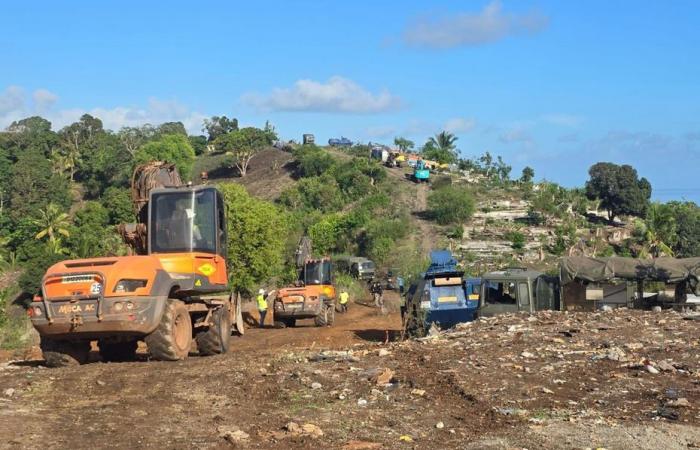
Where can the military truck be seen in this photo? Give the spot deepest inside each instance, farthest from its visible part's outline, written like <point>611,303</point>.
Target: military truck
<point>517,289</point>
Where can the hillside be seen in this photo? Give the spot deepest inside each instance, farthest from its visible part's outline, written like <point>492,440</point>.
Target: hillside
<point>487,241</point>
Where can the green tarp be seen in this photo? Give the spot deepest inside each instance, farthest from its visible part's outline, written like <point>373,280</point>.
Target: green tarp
<point>670,270</point>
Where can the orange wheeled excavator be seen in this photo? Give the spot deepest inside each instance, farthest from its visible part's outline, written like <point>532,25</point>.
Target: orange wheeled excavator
<point>163,294</point>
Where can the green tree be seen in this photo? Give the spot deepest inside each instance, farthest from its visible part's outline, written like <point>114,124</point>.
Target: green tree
<point>441,148</point>
<point>451,205</point>
<point>118,204</point>
<point>199,144</point>
<point>327,234</point>
<point>620,190</point>
<point>171,128</point>
<point>658,231</point>
<point>172,148</point>
<point>528,175</point>
<point>687,219</point>
<point>92,235</point>
<point>256,238</point>
<point>219,126</point>
<point>52,222</point>
<point>134,137</point>
<point>549,202</point>
<point>242,145</point>
<point>403,144</point>
<point>33,185</point>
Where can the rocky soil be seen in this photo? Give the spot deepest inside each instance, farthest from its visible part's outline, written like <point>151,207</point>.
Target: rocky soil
<point>618,379</point>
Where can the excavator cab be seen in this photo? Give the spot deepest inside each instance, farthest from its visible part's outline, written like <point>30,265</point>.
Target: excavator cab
<point>186,220</point>
<point>317,272</point>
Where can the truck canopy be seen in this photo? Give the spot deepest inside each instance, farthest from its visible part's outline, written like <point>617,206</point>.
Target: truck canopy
<point>669,270</point>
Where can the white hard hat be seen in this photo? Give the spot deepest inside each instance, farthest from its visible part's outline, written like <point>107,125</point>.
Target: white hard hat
<point>261,291</point>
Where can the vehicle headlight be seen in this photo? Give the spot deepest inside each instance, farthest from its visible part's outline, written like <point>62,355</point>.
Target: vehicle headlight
<point>129,285</point>
<point>425,305</point>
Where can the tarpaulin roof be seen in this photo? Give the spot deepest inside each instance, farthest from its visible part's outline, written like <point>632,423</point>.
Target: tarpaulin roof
<point>604,269</point>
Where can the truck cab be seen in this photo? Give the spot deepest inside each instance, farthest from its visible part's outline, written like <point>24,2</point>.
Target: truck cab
<point>517,290</point>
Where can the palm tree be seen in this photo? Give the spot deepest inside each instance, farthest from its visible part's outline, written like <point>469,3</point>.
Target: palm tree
<point>52,221</point>
<point>659,231</point>
<point>441,147</point>
<point>444,141</point>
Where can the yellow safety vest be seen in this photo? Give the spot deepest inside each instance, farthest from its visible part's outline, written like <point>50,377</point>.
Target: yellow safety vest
<point>262,303</point>
<point>344,298</point>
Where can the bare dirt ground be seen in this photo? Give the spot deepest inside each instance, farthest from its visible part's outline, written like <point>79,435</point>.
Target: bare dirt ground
<point>270,172</point>
<point>623,379</point>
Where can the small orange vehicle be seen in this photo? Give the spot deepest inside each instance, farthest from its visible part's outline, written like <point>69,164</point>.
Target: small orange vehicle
<point>163,297</point>
<point>313,296</point>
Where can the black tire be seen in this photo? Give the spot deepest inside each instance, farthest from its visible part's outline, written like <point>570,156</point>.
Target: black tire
<point>118,351</point>
<point>64,353</point>
<point>172,339</point>
<point>415,325</point>
<point>326,316</point>
<point>216,339</point>
<point>285,323</point>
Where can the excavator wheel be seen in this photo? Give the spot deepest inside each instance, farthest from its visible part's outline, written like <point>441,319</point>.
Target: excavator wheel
<point>215,339</point>
<point>64,353</point>
<point>325,317</point>
<point>285,323</point>
<point>172,339</point>
<point>117,351</point>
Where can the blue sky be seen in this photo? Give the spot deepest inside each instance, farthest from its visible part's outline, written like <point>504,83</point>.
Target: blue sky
<point>550,84</point>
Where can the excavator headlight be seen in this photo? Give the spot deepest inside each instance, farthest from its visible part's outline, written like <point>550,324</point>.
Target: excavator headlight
<point>129,285</point>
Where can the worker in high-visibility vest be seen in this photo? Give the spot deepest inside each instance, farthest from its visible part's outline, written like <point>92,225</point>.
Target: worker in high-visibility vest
<point>262,306</point>
<point>344,297</point>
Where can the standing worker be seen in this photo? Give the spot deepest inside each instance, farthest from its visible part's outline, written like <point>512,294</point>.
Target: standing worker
<point>376,290</point>
<point>262,306</point>
<point>344,297</point>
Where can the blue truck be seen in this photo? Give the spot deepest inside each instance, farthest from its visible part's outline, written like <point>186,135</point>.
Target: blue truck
<point>342,142</point>
<point>441,296</point>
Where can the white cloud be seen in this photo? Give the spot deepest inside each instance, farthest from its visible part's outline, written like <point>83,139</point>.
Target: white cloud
<point>467,29</point>
<point>14,105</point>
<point>338,94</point>
<point>44,99</point>
<point>11,100</point>
<point>460,125</point>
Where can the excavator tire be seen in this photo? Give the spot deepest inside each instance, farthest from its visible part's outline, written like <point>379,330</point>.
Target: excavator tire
<point>215,339</point>
<point>325,317</point>
<point>118,351</point>
<point>172,339</point>
<point>285,323</point>
<point>64,353</point>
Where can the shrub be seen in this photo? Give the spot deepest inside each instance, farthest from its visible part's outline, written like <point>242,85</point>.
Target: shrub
<point>313,160</point>
<point>451,205</point>
<point>517,240</point>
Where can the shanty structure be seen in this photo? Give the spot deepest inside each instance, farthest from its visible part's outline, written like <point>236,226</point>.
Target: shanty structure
<point>577,273</point>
